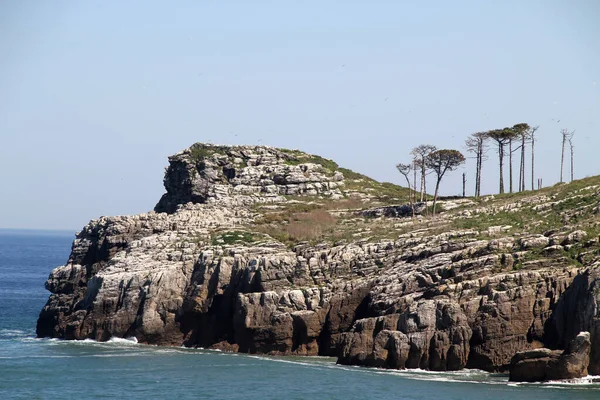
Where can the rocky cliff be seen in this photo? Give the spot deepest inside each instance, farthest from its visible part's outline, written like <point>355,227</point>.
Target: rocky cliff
<point>263,250</point>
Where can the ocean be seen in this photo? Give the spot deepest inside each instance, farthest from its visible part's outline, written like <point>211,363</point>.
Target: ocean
<point>33,368</point>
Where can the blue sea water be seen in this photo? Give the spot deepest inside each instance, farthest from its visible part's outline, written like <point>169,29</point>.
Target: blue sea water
<point>33,368</point>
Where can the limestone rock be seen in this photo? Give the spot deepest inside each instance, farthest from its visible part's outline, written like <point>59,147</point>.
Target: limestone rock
<point>404,210</point>
<point>534,241</point>
<point>545,365</point>
<point>575,237</point>
<point>531,365</point>
<point>239,175</point>
<point>390,293</point>
<point>573,362</point>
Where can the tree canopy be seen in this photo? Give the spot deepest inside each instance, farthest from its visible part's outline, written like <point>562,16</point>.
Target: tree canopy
<point>441,161</point>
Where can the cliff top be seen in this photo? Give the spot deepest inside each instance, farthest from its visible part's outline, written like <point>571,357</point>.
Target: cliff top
<point>300,197</point>
<point>242,175</point>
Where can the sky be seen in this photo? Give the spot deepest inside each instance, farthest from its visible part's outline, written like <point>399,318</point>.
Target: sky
<point>95,95</point>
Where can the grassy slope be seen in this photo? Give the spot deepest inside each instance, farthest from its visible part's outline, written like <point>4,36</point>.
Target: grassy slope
<point>563,208</point>
<point>560,208</point>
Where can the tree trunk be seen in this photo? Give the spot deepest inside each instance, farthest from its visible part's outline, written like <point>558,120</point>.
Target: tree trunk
<point>423,186</point>
<point>522,169</point>
<point>562,157</point>
<point>572,175</point>
<point>411,196</point>
<point>424,183</point>
<point>510,166</point>
<point>477,175</point>
<point>415,179</point>
<point>480,169</point>
<point>532,160</point>
<point>501,156</point>
<point>435,196</point>
<point>520,174</point>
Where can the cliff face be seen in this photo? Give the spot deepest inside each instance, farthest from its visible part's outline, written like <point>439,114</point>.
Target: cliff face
<point>261,250</point>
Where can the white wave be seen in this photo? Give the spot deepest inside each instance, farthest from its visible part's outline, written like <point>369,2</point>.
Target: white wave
<point>14,333</point>
<point>586,380</point>
<point>590,381</point>
<point>128,341</point>
<point>291,361</point>
<point>466,376</point>
<point>483,377</point>
<point>463,376</point>
<point>111,355</point>
<point>28,339</point>
<point>175,350</point>
<point>113,341</point>
<point>471,376</point>
<point>23,357</point>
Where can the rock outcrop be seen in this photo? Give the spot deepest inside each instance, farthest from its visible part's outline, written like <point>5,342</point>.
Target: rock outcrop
<point>548,365</point>
<point>262,250</point>
<point>241,175</point>
<point>404,210</point>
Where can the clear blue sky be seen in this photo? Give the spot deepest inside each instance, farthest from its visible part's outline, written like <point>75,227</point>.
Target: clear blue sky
<point>94,95</point>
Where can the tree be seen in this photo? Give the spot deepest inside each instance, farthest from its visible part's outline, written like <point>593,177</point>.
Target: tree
<point>512,134</point>
<point>420,153</point>
<point>522,132</point>
<point>440,162</point>
<point>566,137</point>
<point>477,144</point>
<point>510,163</point>
<point>501,137</point>
<point>415,167</point>
<point>406,170</point>
<point>572,151</point>
<point>532,137</point>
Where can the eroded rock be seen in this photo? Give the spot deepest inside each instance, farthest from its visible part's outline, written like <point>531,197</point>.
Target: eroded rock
<point>549,365</point>
<point>437,298</point>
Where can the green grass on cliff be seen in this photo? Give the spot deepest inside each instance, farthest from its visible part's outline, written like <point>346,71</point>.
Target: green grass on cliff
<point>200,151</point>
<point>571,204</point>
<point>354,182</point>
<point>321,219</point>
<point>233,237</point>
<point>297,157</point>
<point>561,208</point>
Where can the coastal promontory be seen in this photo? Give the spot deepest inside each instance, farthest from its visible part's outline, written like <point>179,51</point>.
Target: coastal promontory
<point>263,250</point>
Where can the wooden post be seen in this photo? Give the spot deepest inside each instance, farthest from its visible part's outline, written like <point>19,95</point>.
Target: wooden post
<point>464,184</point>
